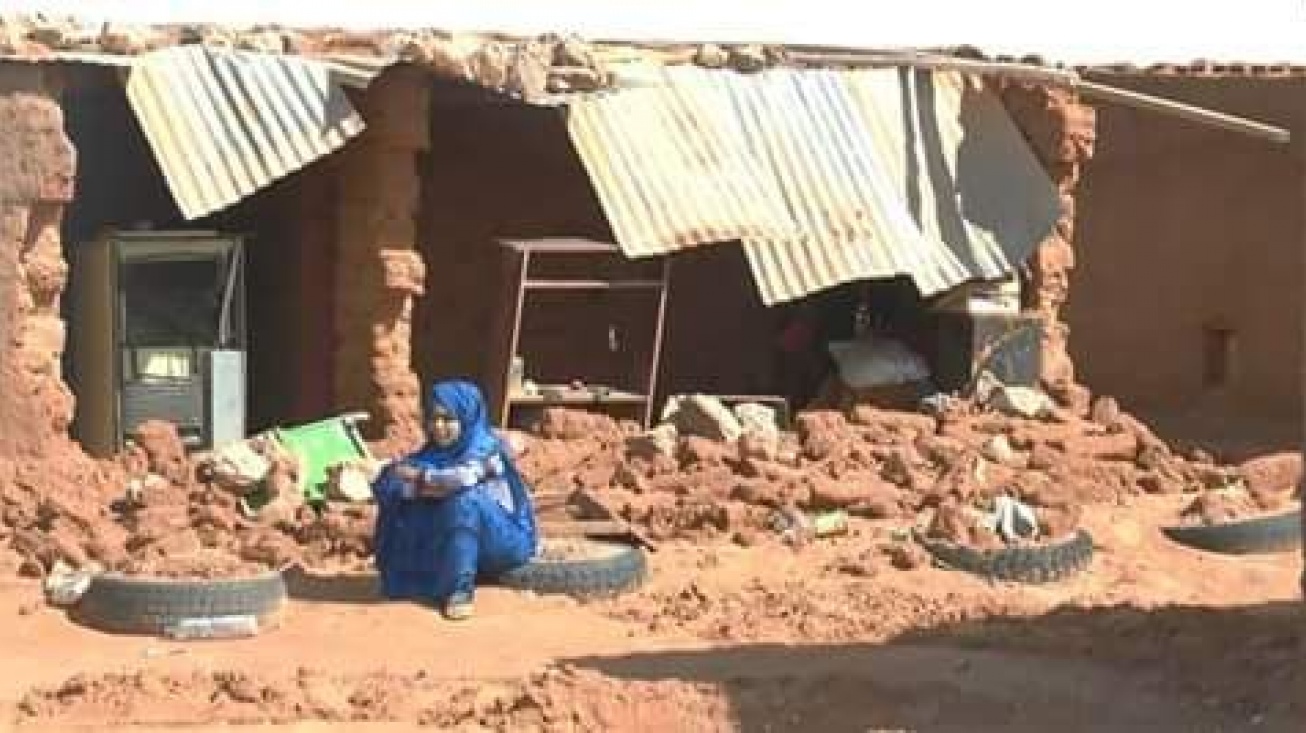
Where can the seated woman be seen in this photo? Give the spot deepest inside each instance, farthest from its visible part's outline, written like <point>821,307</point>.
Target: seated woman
<point>455,510</point>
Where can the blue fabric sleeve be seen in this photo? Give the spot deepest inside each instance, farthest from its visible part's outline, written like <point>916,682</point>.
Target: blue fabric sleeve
<point>389,489</point>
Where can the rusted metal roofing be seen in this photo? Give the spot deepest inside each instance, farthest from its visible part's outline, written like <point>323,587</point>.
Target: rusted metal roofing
<point>223,123</point>
<point>877,172</point>
<point>668,174</point>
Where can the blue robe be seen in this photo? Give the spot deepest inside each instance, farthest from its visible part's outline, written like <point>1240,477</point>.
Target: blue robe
<point>432,548</point>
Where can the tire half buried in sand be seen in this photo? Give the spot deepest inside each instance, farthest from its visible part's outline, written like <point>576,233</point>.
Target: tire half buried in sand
<point>127,604</point>
<point>1044,563</point>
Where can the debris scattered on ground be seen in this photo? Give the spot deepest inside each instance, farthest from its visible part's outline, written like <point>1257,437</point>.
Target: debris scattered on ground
<point>877,465</point>
<point>710,473</point>
<point>64,586</point>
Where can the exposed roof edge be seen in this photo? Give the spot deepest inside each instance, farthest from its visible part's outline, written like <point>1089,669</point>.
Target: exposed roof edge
<point>224,124</point>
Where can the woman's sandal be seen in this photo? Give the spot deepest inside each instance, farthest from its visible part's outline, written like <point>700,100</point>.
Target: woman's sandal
<point>459,607</point>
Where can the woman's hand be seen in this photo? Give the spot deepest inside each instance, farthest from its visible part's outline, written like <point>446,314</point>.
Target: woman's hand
<point>408,473</point>
<point>431,491</point>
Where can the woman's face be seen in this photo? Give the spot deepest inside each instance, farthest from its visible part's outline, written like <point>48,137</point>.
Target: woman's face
<point>443,427</point>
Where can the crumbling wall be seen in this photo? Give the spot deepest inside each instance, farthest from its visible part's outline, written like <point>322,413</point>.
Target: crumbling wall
<point>378,268</point>
<point>43,472</point>
<point>1061,129</point>
<point>37,167</point>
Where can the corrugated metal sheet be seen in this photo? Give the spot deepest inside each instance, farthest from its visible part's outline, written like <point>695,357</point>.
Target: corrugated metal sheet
<point>224,123</point>
<point>952,191</point>
<point>812,136</point>
<point>876,173</point>
<point>668,175</point>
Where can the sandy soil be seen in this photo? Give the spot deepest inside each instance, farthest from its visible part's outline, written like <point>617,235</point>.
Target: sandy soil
<point>828,637</point>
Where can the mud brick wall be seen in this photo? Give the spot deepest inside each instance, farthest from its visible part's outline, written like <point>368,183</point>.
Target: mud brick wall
<point>1184,228</point>
<point>37,170</point>
<point>1061,129</point>
<point>379,269</point>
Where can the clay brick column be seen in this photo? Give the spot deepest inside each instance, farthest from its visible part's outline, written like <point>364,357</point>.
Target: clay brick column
<point>37,170</point>
<point>1062,132</point>
<point>379,269</point>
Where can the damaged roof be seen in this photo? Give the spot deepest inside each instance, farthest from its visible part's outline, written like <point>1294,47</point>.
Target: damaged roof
<point>718,35</point>
<point>1102,32</point>
<point>806,172</point>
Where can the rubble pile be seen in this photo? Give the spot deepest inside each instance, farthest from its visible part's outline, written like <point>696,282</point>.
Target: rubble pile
<point>150,513</point>
<point>706,472</point>
<point>527,66</point>
<point>39,527</point>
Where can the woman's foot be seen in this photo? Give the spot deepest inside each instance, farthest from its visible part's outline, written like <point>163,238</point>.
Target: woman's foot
<point>459,607</point>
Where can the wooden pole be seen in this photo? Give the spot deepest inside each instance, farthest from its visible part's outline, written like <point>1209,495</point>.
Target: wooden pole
<point>659,332</point>
<point>1189,112</point>
<point>1053,77</point>
<point>519,302</point>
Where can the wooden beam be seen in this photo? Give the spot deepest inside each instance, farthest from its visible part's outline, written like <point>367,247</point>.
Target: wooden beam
<point>1052,77</point>
<point>879,59</point>
<point>659,335</point>
<point>1188,112</point>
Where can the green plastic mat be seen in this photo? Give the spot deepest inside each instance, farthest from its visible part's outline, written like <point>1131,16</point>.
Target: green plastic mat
<point>319,445</point>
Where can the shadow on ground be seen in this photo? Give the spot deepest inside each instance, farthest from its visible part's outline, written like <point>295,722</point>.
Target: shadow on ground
<point>1110,669</point>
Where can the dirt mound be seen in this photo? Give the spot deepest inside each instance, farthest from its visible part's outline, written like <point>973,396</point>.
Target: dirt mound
<point>56,507</point>
<point>556,700</point>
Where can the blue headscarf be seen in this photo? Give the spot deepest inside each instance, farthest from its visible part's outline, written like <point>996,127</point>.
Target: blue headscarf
<point>476,438</point>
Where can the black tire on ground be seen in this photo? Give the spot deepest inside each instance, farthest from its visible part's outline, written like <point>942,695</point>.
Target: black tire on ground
<point>1035,564</point>
<point>581,568</point>
<point>134,605</point>
<point>1273,533</point>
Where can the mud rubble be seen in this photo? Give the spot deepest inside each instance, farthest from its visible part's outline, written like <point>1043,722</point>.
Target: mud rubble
<point>1265,485</point>
<point>907,469</point>
<point>149,512</point>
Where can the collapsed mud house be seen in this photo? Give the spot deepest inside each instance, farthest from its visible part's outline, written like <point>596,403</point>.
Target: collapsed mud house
<point>380,183</point>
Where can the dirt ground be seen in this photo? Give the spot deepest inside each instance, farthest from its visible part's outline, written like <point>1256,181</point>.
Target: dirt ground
<point>829,637</point>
